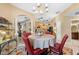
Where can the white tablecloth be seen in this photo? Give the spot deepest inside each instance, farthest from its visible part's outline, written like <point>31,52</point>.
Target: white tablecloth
<point>42,41</point>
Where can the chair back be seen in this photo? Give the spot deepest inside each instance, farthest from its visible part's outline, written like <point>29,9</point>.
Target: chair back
<point>27,34</point>
<point>27,44</point>
<point>63,42</point>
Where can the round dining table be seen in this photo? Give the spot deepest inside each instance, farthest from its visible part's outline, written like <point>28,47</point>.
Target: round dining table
<point>42,41</point>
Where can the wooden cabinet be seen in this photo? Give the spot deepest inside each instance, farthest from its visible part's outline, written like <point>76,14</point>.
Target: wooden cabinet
<point>75,35</point>
<point>75,29</point>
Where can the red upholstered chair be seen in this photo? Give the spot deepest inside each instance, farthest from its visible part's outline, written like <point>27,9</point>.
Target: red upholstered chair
<point>58,47</point>
<point>27,34</point>
<point>30,49</point>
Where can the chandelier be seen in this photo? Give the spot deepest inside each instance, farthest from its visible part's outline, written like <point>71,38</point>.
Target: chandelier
<point>40,11</point>
<point>40,8</point>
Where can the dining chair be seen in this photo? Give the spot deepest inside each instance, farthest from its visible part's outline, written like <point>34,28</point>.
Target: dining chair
<point>58,47</point>
<point>27,34</point>
<point>30,49</point>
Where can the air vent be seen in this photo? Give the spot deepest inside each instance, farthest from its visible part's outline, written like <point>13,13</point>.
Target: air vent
<point>57,12</point>
<point>77,13</point>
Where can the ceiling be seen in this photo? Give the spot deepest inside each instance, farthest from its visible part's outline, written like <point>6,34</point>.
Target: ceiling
<point>74,13</point>
<point>53,8</point>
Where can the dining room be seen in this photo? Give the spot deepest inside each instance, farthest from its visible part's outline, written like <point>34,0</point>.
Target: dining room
<point>39,29</point>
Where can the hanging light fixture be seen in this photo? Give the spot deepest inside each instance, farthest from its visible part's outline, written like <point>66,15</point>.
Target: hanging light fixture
<point>46,5</point>
<point>40,10</point>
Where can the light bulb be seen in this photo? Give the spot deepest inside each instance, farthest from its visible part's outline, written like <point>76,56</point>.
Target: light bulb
<point>46,5</point>
<point>47,10</point>
<point>41,12</point>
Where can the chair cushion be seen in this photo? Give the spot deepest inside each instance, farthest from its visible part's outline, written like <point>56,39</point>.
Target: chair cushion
<point>36,51</point>
<point>55,49</point>
<point>56,45</point>
<point>52,49</point>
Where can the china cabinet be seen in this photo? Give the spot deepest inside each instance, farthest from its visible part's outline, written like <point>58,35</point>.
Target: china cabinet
<point>7,44</point>
<point>7,47</point>
<point>75,29</point>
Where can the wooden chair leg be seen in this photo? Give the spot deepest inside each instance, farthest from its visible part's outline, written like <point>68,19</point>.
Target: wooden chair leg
<point>27,53</point>
<point>61,53</point>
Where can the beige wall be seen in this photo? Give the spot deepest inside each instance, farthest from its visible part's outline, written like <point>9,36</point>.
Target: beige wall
<point>66,22</point>
<point>5,11</point>
<point>11,12</point>
<point>17,11</point>
<point>66,27</point>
